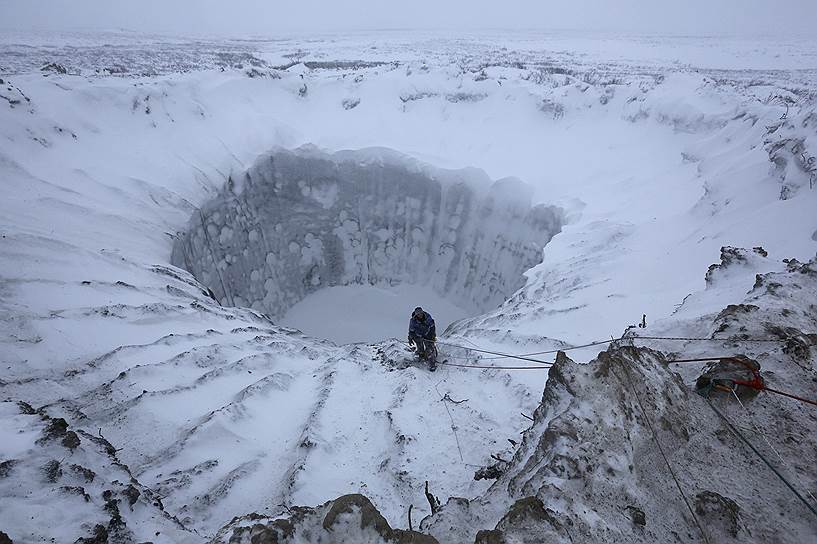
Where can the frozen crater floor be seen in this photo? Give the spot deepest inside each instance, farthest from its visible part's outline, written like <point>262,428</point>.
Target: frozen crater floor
<point>358,313</point>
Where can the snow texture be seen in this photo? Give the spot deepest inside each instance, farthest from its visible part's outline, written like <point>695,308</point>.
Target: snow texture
<point>658,152</point>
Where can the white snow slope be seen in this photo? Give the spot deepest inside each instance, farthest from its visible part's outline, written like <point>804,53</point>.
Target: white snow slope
<point>659,151</point>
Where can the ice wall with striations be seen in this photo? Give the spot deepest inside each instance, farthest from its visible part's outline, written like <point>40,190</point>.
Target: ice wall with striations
<point>298,221</point>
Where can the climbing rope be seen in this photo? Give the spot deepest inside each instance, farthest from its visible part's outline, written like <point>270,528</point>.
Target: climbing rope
<point>755,450</point>
<point>700,359</point>
<point>603,342</point>
<point>702,339</point>
<point>545,364</point>
<point>497,367</point>
<point>755,383</point>
<point>504,355</point>
<point>569,348</point>
<point>663,454</point>
<point>550,364</point>
<point>795,397</point>
<point>453,427</point>
<point>765,439</point>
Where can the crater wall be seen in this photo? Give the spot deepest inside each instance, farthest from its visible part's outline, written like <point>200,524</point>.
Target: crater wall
<point>298,221</point>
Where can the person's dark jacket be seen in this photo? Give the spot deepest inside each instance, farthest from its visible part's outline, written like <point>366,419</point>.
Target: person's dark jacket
<point>423,328</point>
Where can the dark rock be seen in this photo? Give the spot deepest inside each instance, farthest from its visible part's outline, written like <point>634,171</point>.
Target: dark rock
<point>54,67</point>
<point>6,467</point>
<point>637,515</point>
<point>100,536</point>
<point>727,373</point>
<point>369,515</point>
<point>132,494</point>
<point>71,440</point>
<point>100,441</point>
<point>731,256</point>
<point>283,530</point>
<point>529,508</point>
<point>411,537</point>
<point>528,521</point>
<point>76,490</point>
<point>284,527</point>
<point>277,531</point>
<point>491,472</point>
<point>26,408</point>
<point>720,514</point>
<point>796,344</point>
<point>260,534</point>
<point>4,538</point>
<point>491,536</point>
<point>734,310</point>
<point>562,358</point>
<point>558,374</point>
<point>52,470</point>
<point>116,526</point>
<point>86,473</point>
<point>55,429</point>
<point>350,103</point>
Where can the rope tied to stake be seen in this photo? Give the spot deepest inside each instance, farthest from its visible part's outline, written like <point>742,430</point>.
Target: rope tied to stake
<point>755,381</point>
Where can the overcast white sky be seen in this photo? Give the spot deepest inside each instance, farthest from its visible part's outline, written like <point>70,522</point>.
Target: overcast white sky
<point>271,17</point>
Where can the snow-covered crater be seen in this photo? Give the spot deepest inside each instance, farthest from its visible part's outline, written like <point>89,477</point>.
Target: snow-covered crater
<point>300,221</point>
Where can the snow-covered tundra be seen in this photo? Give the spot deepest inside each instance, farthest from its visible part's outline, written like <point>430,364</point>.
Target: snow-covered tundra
<point>169,205</point>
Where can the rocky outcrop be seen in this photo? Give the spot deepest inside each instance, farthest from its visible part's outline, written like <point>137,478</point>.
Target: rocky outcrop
<point>732,256</point>
<point>600,462</point>
<point>527,522</point>
<point>611,438</point>
<point>102,504</point>
<point>298,221</point>
<point>349,518</point>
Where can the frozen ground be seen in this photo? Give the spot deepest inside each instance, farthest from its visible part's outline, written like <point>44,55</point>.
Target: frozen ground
<point>657,152</point>
<point>358,313</point>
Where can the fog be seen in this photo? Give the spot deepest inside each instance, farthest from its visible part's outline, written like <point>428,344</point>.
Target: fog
<point>271,17</point>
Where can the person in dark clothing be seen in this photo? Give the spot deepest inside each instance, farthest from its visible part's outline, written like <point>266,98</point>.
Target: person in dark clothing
<point>423,334</point>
